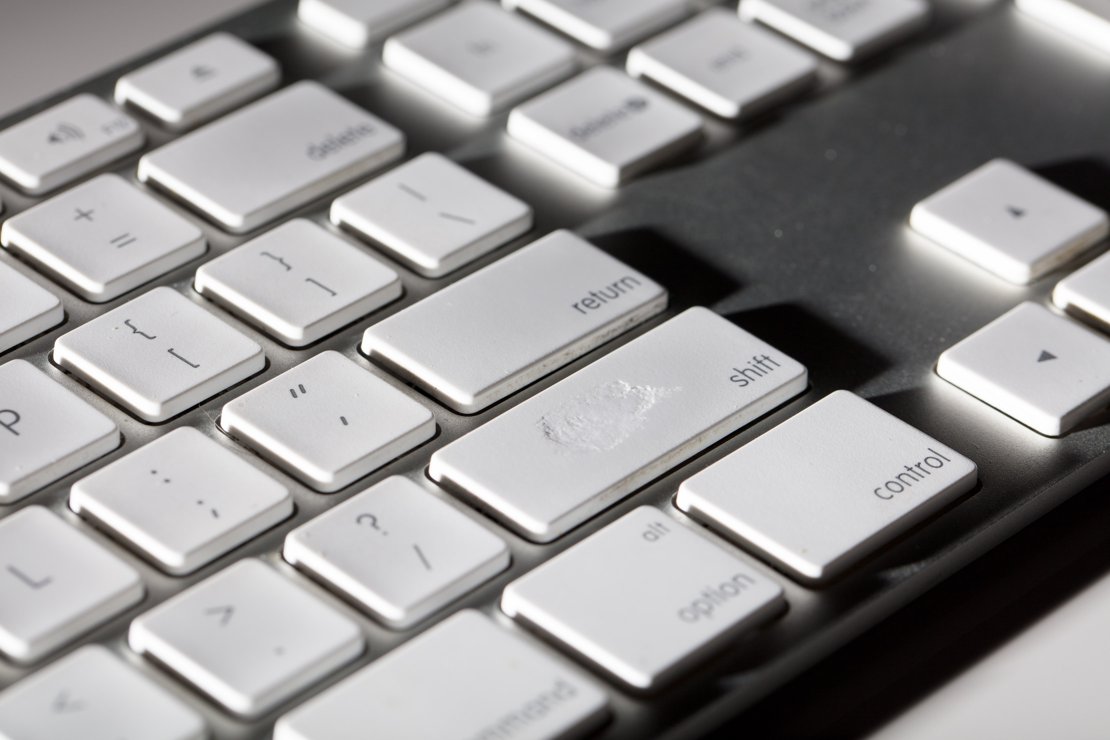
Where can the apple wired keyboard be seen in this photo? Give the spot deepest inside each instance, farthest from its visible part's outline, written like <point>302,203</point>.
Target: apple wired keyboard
<point>535,369</point>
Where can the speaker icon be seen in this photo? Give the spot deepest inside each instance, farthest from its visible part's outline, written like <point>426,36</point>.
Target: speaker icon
<point>65,132</point>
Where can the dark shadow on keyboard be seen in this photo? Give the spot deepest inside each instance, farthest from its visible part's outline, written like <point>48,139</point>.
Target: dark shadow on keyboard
<point>690,281</point>
<point>835,360</point>
<point>1087,177</point>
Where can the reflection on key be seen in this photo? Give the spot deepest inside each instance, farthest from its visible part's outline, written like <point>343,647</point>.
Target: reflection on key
<point>1044,370</point>
<point>55,584</point>
<point>844,30</point>
<point>464,678</point>
<point>103,238</point>
<point>867,478</point>
<point>355,23</point>
<point>433,214</point>
<point>46,431</point>
<point>562,456</point>
<point>158,355</point>
<point>606,25</point>
<point>1086,293</point>
<point>183,500</point>
<point>65,142</point>
<point>464,345</point>
<point>328,421</point>
<point>277,154</point>
<point>479,58</point>
<point>26,309</point>
<point>398,551</point>
<point>643,599</point>
<point>605,126</point>
<point>298,282</point>
<point>199,81</point>
<point>93,694</point>
<point>247,637</point>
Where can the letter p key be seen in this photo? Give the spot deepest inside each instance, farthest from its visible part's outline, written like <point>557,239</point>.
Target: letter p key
<point>8,420</point>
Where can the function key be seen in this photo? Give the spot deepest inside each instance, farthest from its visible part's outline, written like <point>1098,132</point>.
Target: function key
<point>355,23</point>
<point>728,67</point>
<point>199,82</point>
<point>605,126</point>
<point>844,30</point>
<point>1044,370</point>
<point>65,142</point>
<point>479,58</point>
<point>1009,221</point>
<point>605,25</point>
<point>103,238</point>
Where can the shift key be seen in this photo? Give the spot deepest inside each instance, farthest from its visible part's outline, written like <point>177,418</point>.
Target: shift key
<point>273,156</point>
<point>492,333</point>
<point>559,458</point>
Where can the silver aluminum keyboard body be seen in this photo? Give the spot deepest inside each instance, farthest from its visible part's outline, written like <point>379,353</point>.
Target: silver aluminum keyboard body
<point>794,226</point>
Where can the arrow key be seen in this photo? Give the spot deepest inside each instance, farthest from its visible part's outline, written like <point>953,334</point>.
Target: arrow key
<point>247,637</point>
<point>1044,370</point>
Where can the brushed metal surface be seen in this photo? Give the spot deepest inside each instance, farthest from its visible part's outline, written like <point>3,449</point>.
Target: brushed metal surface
<point>794,227</point>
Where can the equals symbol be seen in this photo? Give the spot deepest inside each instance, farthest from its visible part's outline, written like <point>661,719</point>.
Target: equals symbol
<point>122,240</point>
<point>293,391</point>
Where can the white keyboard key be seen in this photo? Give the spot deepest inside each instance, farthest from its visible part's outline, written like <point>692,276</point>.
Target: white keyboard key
<point>298,283</point>
<point>273,156</point>
<point>605,126</point>
<point>65,142</point>
<point>93,695</point>
<point>46,431</point>
<point>200,81</point>
<point>728,67</point>
<point>557,459</point>
<point>355,23</point>
<point>643,599</point>
<point>103,238</point>
<point>1044,370</point>
<point>433,214</point>
<point>867,478</point>
<point>158,355</point>
<point>844,30</point>
<point>1010,221</point>
<point>464,344</point>
<point>26,308</point>
<point>182,500</point>
<point>1086,293</point>
<point>479,58</point>
<point>606,25</point>
<point>55,584</point>
<point>1085,20</point>
<point>328,422</point>
<point>397,551</point>
<point>464,678</point>
<point>247,637</point>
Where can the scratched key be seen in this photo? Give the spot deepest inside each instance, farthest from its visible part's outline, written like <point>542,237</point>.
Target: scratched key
<point>158,355</point>
<point>55,584</point>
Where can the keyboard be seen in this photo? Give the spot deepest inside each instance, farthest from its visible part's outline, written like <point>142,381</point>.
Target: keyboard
<point>415,368</point>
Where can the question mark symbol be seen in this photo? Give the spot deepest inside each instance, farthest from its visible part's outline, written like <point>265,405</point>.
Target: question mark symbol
<point>372,520</point>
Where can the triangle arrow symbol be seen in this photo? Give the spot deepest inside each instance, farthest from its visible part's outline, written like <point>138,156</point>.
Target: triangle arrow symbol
<point>1046,356</point>
<point>1015,211</point>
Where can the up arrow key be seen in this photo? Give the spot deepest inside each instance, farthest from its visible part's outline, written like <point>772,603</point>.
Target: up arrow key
<point>1046,356</point>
